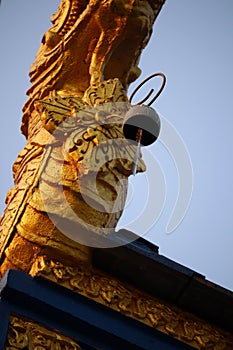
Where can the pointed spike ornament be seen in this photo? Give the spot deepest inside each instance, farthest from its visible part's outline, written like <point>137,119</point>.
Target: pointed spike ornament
<point>135,161</point>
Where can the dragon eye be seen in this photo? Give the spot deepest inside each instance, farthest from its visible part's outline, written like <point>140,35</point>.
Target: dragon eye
<point>78,141</point>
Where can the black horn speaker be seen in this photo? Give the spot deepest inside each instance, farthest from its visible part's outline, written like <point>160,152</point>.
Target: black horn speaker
<point>144,118</point>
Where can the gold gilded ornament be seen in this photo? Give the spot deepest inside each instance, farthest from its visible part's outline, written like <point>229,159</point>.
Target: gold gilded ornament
<point>139,305</point>
<point>73,124</point>
<point>79,80</point>
<point>77,163</point>
<point>26,334</point>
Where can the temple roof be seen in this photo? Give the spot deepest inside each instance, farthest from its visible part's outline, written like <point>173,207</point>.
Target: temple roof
<point>140,264</point>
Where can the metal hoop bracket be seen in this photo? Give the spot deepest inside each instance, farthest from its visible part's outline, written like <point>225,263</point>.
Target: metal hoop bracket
<point>151,91</point>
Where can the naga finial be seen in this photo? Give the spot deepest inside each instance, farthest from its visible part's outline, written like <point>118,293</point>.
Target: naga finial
<point>71,177</point>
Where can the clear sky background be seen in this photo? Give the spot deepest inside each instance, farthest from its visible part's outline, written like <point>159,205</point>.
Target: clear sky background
<point>192,44</point>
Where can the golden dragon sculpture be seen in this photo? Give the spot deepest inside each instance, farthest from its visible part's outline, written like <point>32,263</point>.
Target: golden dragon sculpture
<point>76,152</point>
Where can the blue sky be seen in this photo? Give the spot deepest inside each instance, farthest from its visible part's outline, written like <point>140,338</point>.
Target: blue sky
<point>192,45</point>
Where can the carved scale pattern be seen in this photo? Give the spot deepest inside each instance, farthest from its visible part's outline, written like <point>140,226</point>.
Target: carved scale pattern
<point>136,304</point>
<point>28,335</point>
<point>90,41</point>
<point>33,173</point>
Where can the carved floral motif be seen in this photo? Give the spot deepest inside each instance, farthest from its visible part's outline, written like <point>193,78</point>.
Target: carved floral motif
<point>28,335</point>
<point>136,304</point>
